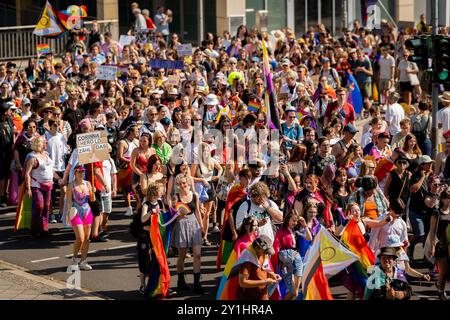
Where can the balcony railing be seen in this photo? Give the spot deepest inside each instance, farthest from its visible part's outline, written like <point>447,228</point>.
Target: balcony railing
<point>19,42</point>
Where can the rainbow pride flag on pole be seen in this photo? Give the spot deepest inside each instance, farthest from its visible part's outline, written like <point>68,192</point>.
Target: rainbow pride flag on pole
<point>42,48</point>
<point>49,25</point>
<point>254,106</point>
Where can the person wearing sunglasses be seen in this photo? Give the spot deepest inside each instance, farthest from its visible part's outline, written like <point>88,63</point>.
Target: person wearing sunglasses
<point>397,181</point>
<point>291,130</point>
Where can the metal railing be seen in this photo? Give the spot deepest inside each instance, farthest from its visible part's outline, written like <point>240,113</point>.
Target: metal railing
<point>19,42</point>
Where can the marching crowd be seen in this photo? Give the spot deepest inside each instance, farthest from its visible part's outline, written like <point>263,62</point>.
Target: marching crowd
<point>265,198</point>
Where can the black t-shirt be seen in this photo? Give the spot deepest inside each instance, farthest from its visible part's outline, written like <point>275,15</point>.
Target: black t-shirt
<point>417,203</point>
<point>73,117</point>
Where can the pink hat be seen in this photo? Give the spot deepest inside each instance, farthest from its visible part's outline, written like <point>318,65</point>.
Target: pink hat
<point>85,123</point>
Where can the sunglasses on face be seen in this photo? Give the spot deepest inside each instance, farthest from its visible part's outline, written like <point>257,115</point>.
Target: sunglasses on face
<point>57,113</point>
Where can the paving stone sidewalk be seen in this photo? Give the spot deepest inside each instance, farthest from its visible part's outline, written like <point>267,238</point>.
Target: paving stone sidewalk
<point>18,284</point>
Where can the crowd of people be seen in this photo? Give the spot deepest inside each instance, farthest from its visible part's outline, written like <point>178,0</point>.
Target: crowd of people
<point>162,140</point>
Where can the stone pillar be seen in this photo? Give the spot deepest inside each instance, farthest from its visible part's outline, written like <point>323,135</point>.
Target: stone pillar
<point>109,10</point>
<point>225,9</point>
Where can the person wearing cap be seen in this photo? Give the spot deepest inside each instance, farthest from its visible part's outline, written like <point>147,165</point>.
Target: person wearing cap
<point>418,211</point>
<point>339,150</point>
<point>255,274</point>
<point>292,132</point>
<point>397,180</point>
<point>330,73</point>
<point>340,108</point>
<point>386,281</point>
<point>211,112</point>
<point>26,109</point>
<point>79,216</point>
<point>394,113</point>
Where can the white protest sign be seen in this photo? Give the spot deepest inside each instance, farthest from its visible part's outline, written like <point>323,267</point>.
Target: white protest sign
<point>126,40</point>
<point>92,147</point>
<point>106,73</point>
<point>184,50</point>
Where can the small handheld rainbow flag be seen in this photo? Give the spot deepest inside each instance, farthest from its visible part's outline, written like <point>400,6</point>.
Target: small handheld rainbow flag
<point>254,106</point>
<point>43,48</point>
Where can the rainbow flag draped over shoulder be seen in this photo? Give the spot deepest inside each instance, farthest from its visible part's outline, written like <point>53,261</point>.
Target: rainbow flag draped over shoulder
<point>23,212</point>
<point>229,283</point>
<point>159,274</point>
<point>236,193</point>
<point>49,25</point>
<point>354,97</point>
<point>354,239</point>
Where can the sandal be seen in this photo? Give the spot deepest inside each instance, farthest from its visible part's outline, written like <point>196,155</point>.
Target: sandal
<point>206,243</point>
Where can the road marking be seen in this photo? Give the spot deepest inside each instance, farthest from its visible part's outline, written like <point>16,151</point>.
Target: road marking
<point>106,249</point>
<point>42,260</point>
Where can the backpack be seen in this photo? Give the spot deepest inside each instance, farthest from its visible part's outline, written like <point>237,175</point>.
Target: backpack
<point>418,131</point>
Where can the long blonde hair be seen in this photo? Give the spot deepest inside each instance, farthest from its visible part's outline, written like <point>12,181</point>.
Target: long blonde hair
<point>202,162</point>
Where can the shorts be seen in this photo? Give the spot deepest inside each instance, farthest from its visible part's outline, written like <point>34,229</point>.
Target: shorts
<point>406,86</point>
<point>291,265</point>
<point>366,89</point>
<point>107,204</point>
<point>96,206</point>
<point>76,221</point>
<point>385,85</point>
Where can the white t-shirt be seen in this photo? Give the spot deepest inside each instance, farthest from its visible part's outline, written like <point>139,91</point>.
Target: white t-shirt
<point>386,65</point>
<point>443,117</point>
<point>260,213</point>
<point>57,148</point>
<point>109,168</point>
<point>394,114</point>
<point>380,239</point>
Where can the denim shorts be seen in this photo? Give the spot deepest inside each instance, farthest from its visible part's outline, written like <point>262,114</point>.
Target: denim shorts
<point>107,204</point>
<point>291,264</point>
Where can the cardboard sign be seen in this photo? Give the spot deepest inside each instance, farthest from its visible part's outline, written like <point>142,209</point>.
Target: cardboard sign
<point>184,50</point>
<point>173,80</point>
<point>92,147</point>
<point>106,73</point>
<point>126,40</point>
<point>166,64</point>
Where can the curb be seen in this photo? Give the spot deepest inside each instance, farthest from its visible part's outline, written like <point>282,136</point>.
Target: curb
<point>50,281</point>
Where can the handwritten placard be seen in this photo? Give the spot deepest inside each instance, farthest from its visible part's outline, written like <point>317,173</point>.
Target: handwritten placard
<point>173,80</point>
<point>184,50</point>
<point>106,72</point>
<point>92,147</point>
<point>166,64</point>
<point>126,40</point>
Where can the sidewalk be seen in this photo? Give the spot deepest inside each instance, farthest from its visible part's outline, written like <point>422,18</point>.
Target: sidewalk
<point>18,284</point>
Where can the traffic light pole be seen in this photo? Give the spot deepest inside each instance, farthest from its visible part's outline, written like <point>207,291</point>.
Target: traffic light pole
<point>435,83</point>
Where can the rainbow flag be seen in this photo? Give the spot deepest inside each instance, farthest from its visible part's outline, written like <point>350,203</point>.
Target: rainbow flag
<point>236,193</point>
<point>229,283</point>
<point>42,48</point>
<point>49,25</point>
<point>159,274</point>
<point>23,212</point>
<point>72,15</point>
<point>383,167</point>
<point>270,101</point>
<point>254,106</point>
<point>354,239</point>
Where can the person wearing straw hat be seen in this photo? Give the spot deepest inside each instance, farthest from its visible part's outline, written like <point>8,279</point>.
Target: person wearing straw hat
<point>385,281</point>
<point>46,113</point>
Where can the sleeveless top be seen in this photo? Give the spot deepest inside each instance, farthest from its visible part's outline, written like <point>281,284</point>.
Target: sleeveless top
<point>131,147</point>
<point>151,207</point>
<point>141,162</point>
<point>80,202</point>
<point>205,172</point>
<point>43,173</point>
<point>191,204</point>
<point>396,186</point>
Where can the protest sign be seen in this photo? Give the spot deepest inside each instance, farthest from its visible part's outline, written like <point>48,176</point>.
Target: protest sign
<point>166,64</point>
<point>184,50</point>
<point>92,147</point>
<point>126,40</point>
<point>106,72</point>
<point>173,80</point>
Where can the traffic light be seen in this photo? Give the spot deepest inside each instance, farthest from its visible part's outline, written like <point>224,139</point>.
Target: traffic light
<point>420,49</point>
<point>442,45</point>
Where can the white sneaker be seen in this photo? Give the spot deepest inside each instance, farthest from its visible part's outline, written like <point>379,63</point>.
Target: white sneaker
<point>129,212</point>
<point>215,229</point>
<point>85,266</point>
